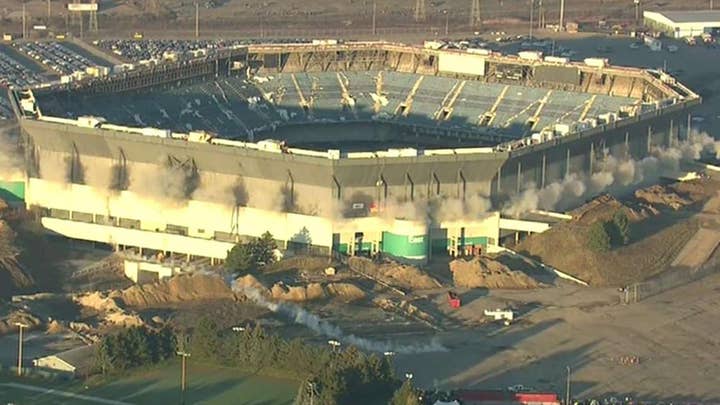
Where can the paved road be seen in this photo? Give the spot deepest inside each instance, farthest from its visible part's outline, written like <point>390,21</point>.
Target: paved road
<point>64,394</point>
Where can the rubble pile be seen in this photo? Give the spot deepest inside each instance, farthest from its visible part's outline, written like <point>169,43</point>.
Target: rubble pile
<point>394,273</point>
<point>485,272</point>
<point>186,287</point>
<point>660,195</point>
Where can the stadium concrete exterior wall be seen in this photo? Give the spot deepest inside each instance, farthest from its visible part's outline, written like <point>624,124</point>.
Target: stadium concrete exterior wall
<point>321,186</point>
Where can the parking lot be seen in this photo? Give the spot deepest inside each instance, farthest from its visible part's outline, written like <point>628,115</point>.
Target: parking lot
<point>57,57</point>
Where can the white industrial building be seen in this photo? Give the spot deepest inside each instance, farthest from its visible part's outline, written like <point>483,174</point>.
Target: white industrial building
<point>683,24</point>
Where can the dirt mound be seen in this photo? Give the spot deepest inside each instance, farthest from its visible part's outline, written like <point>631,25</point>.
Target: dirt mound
<point>604,207</point>
<point>186,287</point>
<point>345,291</point>
<point>249,281</point>
<point>488,273</point>
<point>109,309</point>
<point>635,262</point>
<point>8,322</point>
<point>660,195</point>
<point>394,273</point>
<point>283,292</point>
<point>12,274</point>
<point>55,327</point>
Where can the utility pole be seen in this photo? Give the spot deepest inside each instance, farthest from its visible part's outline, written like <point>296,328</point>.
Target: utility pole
<point>197,20</point>
<point>447,22</point>
<point>532,12</point>
<point>183,375</point>
<point>562,15</point>
<point>374,15</point>
<point>24,22</point>
<point>420,10</point>
<point>567,386</point>
<point>20,347</point>
<point>475,17</point>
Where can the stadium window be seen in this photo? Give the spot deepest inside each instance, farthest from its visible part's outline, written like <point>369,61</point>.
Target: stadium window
<point>60,214</point>
<point>81,216</point>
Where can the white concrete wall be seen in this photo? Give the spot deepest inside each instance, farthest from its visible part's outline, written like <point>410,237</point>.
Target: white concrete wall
<point>133,268</point>
<point>201,218</point>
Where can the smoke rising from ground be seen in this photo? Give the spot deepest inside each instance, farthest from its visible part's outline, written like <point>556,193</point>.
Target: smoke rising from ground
<point>302,317</point>
<point>611,174</point>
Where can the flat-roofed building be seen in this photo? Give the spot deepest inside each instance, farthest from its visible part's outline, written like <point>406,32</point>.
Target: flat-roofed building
<point>682,24</point>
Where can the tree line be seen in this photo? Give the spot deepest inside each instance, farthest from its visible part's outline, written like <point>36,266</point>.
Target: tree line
<point>327,376</point>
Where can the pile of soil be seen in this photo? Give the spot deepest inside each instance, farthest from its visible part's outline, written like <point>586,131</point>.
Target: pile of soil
<point>394,273</point>
<point>180,288</point>
<point>249,281</point>
<point>109,309</point>
<point>484,272</point>
<point>284,292</point>
<point>316,291</point>
<point>620,266</point>
<point>604,207</point>
<point>345,291</point>
<point>661,195</point>
<point>13,276</point>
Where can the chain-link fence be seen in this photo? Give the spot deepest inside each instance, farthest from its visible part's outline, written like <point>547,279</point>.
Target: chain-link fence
<point>675,277</point>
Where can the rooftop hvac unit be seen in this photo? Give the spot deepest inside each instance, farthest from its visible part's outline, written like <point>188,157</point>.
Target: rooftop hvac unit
<point>564,129</point>
<point>199,136</point>
<point>530,55</point>
<point>557,59</point>
<point>270,145</point>
<point>597,62</point>
<point>607,118</point>
<point>89,121</point>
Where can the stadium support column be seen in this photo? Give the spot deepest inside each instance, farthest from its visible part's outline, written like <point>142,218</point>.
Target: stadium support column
<point>519,177</point>
<point>499,179</point>
<point>670,133</point>
<point>544,164</point>
<point>649,139</point>
<point>592,157</point>
<point>627,145</point>
<point>689,126</point>
<point>567,163</point>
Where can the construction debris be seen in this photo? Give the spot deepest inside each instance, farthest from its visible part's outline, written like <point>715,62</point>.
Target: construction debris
<point>485,272</point>
<point>393,273</point>
<point>12,274</point>
<point>660,195</point>
<point>180,288</point>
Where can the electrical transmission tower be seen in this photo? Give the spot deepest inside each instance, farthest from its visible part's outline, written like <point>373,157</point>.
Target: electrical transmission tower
<point>420,10</point>
<point>475,17</point>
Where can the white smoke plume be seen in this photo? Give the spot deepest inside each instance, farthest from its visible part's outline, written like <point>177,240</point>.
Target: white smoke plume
<point>313,322</point>
<point>612,174</point>
<point>11,160</point>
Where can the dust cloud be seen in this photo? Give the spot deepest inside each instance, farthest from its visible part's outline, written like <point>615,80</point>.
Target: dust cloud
<point>612,174</point>
<point>11,157</point>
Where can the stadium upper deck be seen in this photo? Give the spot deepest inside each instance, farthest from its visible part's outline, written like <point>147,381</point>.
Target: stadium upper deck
<point>240,108</point>
<point>481,99</point>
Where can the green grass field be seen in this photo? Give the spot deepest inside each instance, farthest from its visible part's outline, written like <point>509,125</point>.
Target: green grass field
<point>206,385</point>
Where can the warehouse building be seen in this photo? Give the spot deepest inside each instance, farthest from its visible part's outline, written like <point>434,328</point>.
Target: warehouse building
<point>683,24</point>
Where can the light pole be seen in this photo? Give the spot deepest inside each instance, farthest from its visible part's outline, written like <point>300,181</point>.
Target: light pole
<point>334,343</point>
<point>374,15</point>
<point>532,12</point>
<point>20,346</point>
<point>183,375</point>
<point>567,386</point>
